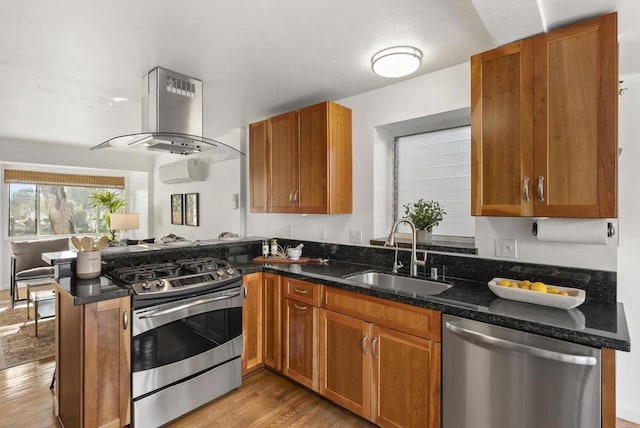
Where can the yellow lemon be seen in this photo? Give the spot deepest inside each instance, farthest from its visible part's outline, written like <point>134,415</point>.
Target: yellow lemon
<point>526,282</point>
<point>553,290</point>
<point>525,286</point>
<point>514,285</point>
<point>539,286</point>
<point>504,282</point>
<point>563,293</point>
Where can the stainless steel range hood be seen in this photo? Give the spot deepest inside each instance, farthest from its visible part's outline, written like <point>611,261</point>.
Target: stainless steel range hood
<point>172,119</point>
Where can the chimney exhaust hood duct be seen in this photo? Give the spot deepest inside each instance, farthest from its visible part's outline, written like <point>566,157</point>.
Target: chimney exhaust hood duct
<point>172,119</point>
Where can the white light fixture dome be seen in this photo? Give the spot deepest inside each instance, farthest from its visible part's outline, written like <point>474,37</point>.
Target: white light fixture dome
<point>397,61</point>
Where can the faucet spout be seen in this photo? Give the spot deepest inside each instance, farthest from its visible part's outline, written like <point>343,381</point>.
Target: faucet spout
<point>391,240</point>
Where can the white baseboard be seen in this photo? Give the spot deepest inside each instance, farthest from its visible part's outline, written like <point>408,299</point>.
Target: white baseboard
<point>631,415</point>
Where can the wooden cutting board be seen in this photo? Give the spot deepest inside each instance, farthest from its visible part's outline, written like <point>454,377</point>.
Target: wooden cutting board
<point>276,259</point>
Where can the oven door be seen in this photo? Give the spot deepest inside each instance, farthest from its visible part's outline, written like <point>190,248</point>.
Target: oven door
<point>176,340</point>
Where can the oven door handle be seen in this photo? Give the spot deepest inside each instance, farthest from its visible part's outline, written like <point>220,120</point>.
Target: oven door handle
<point>184,306</point>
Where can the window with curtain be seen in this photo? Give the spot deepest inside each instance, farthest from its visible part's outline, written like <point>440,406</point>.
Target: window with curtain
<point>42,203</point>
<point>436,166</point>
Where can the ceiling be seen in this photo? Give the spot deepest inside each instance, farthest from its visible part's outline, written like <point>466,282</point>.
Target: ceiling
<point>63,62</point>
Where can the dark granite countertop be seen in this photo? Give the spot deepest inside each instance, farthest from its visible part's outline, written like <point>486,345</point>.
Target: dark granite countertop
<point>86,291</point>
<point>592,323</point>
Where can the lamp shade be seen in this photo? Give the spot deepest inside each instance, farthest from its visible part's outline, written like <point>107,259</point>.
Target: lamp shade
<point>397,61</point>
<point>125,221</point>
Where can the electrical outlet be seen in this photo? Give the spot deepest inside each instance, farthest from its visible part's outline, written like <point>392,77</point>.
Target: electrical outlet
<point>355,236</point>
<point>506,248</point>
<point>322,234</point>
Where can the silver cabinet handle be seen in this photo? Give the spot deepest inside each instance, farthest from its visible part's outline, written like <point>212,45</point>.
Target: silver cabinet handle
<point>364,345</point>
<point>579,360</point>
<point>291,196</point>
<point>176,308</point>
<point>302,308</point>
<point>296,197</point>
<point>125,319</point>
<point>541,188</point>
<point>525,183</point>
<point>299,291</point>
<point>373,347</point>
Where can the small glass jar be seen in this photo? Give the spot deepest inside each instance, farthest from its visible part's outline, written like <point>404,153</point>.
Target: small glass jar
<point>265,248</point>
<point>274,247</point>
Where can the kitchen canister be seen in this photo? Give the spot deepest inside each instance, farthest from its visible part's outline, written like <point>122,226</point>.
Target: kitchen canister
<point>88,264</point>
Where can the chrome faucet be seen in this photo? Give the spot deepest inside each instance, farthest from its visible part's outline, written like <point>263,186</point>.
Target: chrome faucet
<point>391,240</point>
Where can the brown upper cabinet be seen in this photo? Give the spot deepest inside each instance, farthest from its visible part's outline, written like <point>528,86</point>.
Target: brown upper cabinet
<point>544,114</point>
<point>300,161</point>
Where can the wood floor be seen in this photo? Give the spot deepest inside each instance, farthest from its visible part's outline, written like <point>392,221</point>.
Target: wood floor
<point>264,400</point>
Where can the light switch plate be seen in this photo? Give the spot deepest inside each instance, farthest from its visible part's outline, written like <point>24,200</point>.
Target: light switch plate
<point>355,236</point>
<point>506,248</point>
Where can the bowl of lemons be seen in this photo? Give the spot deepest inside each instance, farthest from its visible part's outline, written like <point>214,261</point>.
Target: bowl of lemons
<point>537,292</point>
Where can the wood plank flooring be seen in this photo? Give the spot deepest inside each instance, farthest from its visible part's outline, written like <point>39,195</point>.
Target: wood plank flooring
<point>264,400</point>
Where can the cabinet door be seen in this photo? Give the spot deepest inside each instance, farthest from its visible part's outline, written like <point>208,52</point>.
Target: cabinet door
<point>252,327</point>
<point>107,357</point>
<point>325,159</point>
<point>283,163</point>
<point>345,365</point>
<point>258,166</point>
<point>314,187</point>
<point>502,131</point>
<point>576,101</point>
<point>406,371</point>
<point>272,321</point>
<point>300,348</point>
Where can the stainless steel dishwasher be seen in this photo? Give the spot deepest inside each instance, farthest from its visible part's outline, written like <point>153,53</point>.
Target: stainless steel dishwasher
<point>496,377</point>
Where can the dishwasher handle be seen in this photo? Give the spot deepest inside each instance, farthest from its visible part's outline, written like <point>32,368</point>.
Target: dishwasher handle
<point>580,360</point>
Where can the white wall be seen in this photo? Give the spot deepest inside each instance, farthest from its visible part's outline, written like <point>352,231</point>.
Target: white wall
<point>134,167</point>
<point>628,370</point>
<point>433,93</point>
<point>217,211</point>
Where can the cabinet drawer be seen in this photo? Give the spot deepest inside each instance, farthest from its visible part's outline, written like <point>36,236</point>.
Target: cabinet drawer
<point>302,291</point>
<point>406,318</point>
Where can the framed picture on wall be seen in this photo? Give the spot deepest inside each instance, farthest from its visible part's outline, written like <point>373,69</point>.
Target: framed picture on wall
<point>176,208</point>
<point>191,209</point>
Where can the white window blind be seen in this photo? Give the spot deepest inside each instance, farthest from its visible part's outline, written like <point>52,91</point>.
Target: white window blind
<point>437,166</point>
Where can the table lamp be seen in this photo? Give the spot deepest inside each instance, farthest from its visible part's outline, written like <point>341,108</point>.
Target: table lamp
<point>123,222</point>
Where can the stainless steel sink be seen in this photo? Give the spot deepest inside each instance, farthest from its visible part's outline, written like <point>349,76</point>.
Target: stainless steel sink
<point>399,284</point>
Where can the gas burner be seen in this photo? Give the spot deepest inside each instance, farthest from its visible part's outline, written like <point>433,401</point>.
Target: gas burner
<point>175,275</point>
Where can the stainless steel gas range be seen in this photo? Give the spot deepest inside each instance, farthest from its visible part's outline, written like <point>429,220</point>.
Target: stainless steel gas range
<point>186,335</point>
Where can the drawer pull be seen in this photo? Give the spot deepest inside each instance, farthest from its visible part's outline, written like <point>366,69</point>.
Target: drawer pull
<point>299,291</point>
<point>302,308</point>
<point>364,345</point>
<point>526,188</point>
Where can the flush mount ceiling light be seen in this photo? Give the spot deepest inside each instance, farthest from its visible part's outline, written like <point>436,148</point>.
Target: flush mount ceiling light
<point>397,61</point>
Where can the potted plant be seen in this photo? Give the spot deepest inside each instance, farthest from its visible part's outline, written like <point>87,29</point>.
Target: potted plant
<point>110,202</point>
<point>424,215</point>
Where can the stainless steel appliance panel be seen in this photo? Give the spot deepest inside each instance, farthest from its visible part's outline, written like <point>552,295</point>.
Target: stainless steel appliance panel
<point>169,403</point>
<point>495,377</point>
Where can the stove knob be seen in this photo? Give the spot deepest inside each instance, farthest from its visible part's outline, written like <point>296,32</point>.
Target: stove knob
<point>219,272</point>
<point>159,284</point>
<point>230,271</point>
<point>146,285</point>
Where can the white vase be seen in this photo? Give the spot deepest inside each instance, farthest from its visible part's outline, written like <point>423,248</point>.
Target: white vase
<point>88,264</point>
<point>423,236</point>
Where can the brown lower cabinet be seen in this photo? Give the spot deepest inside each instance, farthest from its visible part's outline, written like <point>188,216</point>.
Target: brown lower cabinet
<point>300,332</point>
<point>93,369</point>
<point>252,323</point>
<point>380,373</point>
<point>376,358</point>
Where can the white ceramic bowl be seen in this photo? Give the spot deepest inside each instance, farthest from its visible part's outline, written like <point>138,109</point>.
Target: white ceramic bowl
<point>294,253</point>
